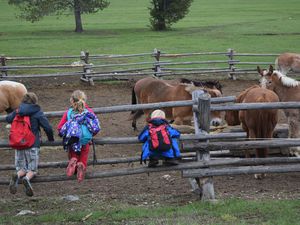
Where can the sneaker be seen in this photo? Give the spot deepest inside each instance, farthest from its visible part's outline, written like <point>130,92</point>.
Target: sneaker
<point>28,188</point>
<point>170,162</point>
<point>80,171</point>
<point>71,167</point>
<point>13,184</point>
<point>153,163</point>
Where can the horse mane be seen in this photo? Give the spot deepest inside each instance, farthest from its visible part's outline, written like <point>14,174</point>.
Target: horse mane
<point>210,83</point>
<point>285,80</point>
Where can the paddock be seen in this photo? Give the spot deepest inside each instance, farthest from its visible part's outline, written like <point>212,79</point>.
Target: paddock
<point>169,183</point>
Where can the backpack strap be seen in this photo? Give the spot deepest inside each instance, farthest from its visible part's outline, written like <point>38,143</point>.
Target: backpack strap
<point>94,152</point>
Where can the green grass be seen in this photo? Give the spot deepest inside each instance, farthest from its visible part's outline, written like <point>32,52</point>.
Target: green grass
<point>231,211</point>
<point>123,28</point>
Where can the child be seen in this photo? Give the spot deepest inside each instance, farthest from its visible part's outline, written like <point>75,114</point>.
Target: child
<point>26,160</point>
<point>77,127</point>
<point>159,143</point>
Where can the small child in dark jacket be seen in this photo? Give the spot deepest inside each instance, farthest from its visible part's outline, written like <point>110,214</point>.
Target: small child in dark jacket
<point>26,161</point>
<point>171,153</point>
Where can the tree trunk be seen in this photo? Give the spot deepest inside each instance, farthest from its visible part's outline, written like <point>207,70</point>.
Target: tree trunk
<point>77,14</point>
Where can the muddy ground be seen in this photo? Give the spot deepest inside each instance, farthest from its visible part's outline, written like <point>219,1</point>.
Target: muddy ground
<point>136,189</point>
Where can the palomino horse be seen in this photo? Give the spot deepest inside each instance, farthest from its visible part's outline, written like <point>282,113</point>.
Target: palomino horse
<point>287,62</point>
<point>287,90</point>
<point>11,95</point>
<point>152,90</point>
<point>258,123</point>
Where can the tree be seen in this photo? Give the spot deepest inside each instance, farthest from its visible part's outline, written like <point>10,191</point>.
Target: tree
<point>34,10</point>
<point>166,12</point>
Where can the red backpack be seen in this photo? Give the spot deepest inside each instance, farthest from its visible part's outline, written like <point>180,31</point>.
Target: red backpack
<point>159,137</point>
<point>21,136</point>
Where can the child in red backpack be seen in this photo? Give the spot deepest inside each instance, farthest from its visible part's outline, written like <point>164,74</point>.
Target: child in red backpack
<point>26,160</point>
<point>166,149</point>
<point>77,148</point>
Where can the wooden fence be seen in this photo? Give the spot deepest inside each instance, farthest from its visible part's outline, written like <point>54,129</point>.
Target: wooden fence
<point>158,63</point>
<point>201,144</point>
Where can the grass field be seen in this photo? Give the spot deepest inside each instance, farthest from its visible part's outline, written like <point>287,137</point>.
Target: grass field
<point>233,211</point>
<point>246,26</point>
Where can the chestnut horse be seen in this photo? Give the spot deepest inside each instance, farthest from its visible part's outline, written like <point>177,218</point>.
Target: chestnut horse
<point>287,90</point>
<point>11,95</point>
<point>152,90</point>
<point>288,62</point>
<point>258,123</point>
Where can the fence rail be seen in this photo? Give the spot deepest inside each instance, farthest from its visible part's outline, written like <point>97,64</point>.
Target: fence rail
<point>110,66</point>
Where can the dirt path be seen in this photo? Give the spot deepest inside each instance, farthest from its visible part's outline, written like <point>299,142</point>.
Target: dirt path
<point>156,187</point>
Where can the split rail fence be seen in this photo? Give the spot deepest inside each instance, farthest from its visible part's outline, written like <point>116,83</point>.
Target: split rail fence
<point>90,67</point>
<point>199,147</point>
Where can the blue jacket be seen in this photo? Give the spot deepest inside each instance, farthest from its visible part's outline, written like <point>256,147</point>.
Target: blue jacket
<point>37,120</point>
<point>144,137</point>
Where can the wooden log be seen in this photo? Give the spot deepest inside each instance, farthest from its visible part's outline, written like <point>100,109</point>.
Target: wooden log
<point>212,146</point>
<point>247,106</point>
<point>134,140</point>
<point>202,125</point>
<point>240,170</point>
<point>181,166</point>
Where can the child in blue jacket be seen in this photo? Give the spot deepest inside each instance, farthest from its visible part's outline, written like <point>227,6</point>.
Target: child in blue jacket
<point>169,155</point>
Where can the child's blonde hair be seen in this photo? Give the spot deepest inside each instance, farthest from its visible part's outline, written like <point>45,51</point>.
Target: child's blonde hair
<point>77,100</point>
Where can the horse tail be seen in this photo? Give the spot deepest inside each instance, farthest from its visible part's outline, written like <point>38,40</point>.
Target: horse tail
<point>133,99</point>
<point>135,114</point>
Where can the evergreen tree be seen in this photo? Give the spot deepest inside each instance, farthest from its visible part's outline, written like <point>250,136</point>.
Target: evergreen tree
<point>166,12</point>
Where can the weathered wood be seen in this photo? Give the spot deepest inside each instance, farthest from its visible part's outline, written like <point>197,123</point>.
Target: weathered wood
<point>134,140</point>
<point>202,125</point>
<point>265,105</point>
<point>212,146</point>
<point>182,166</point>
<point>240,170</point>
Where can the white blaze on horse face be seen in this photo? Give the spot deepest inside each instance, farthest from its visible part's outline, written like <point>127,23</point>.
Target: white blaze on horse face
<point>216,121</point>
<point>263,82</point>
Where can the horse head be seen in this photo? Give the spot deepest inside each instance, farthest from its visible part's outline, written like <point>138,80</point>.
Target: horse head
<point>271,78</point>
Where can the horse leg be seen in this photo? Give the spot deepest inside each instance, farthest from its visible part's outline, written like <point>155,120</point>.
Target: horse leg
<point>294,132</point>
<point>136,115</point>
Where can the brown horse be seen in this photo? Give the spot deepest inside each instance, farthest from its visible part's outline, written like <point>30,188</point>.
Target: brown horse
<point>152,90</point>
<point>258,123</point>
<point>288,62</point>
<point>11,95</point>
<point>287,90</point>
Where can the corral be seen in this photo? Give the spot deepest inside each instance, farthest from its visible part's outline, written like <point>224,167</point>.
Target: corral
<point>54,95</point>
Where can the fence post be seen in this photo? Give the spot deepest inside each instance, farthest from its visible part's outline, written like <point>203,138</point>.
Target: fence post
<point>156,68</point>
<point>3,63</point>
<point>202,125</point>
<point>230,55</point>
<point>87,68</point>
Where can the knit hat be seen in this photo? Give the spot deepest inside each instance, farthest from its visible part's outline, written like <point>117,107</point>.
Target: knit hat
<point>158,114</point>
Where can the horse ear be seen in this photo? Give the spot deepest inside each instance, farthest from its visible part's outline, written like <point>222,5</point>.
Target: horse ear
<point>259,70</point>
<point>271,69</point>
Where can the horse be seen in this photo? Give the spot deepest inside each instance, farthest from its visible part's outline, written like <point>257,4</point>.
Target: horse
<point>152,90</point>
<point>212,84</point>
<point>287,89</point>
<point>11,95</point>
<point>257,123</point>
<point>288,62</point>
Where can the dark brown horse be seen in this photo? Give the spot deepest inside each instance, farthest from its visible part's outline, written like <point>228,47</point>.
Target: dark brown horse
<point>11,95</point>
<point>288,90</point>
<point>257,123</point>
<point>152,90</point>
